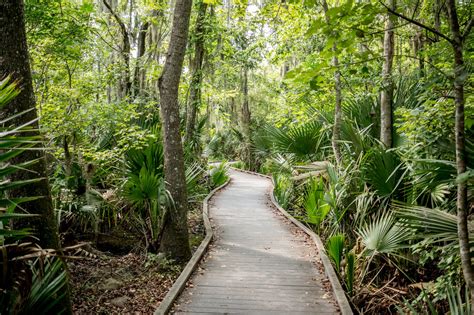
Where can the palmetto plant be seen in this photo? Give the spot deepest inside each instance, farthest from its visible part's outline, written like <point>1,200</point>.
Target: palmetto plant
<point>218,175</point>
<point>363,112</point>
<point>457,305</point>
<point>335,249</point>
<point>383,170</point>
<point>303,141</point>
<point>145,187</point>
<point>384,235</point>
<point>436,225</point>
<point>29,283</point>
<point>47,282</point>
<point>432,181</point>
<point>315,206</point>
<point>283,189</point>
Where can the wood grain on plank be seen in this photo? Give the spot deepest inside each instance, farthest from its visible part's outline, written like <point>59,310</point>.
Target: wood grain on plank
<point>257,264</point>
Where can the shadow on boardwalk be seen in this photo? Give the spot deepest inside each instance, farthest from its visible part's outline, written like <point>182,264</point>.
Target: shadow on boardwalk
<point>258,263</point>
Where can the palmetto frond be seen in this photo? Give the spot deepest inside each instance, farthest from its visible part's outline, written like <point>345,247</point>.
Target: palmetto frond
<point>440,226</point>
<point>384,235</point>
<point>302,141</point>
<point>383,170</point>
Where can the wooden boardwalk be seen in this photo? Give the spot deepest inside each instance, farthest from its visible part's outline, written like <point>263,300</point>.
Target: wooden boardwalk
<point>258,264</point>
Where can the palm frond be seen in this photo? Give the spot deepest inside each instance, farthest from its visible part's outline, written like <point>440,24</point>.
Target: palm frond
<point>335,248</point>
<point>384,235</point>
<point>440,226</point>
<point>383,170</point>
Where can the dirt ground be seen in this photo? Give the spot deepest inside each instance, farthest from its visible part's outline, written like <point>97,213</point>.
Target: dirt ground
<point>134,283</point>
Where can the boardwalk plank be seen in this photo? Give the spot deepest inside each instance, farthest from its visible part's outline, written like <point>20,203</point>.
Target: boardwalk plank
<point>257,265</point>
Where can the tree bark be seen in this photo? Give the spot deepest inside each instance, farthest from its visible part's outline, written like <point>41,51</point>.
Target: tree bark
<point>386,95</point>
<point>462,204</point>
<point>196,70</point>
<point>14,62</point>
<point>125,83</point>
<point>139,75</point>
<point>336,132</point>
<point>175,240</point>
<point>245,118</point>
<point>418,45</point>
<point>459,80</point>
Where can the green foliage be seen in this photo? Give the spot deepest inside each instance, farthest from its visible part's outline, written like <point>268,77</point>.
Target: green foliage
<point>28,285</point>
<point>302,141</point>
<point>383,170</point>
<point>49,287</point>
<point>433,224</point>
<point>218,175</point>
<point>335,248</point>
<point>454,297</point>
<point>287,51</point>
<point>384,235</point>
<point>145,189</point>
<point>350,272</point>
<point>283,189</point>
<point>315,206</point>
<point>150,158</point>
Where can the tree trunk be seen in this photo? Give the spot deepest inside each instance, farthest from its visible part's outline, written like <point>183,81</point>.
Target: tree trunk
<point>418,45</point>
<point>245,118</point>
<point>196,70</point>
<point>175,240</point>
<point>386,95</point>
<point>336,132</point>
<point>139,74</point>
<point>125,83</point>
<point>14,61</point>
<point>462,204</point>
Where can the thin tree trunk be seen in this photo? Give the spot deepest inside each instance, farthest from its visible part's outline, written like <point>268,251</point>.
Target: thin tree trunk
<point>418,45</point>
<point>175,240</point>
<point>14,61</point>
<point>336,132</point>
<point>459,80</point>
<point>196,70</point>
<point>386,95</point>
<point>246,117</point>
<point>139,74</point>
<point>462,204</point>
<point>125,84</point>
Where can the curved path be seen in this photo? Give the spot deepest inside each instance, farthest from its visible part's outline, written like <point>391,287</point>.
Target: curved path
<point>259,263</point>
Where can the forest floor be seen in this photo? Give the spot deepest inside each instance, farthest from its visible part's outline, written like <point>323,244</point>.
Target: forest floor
<point>131,283</point>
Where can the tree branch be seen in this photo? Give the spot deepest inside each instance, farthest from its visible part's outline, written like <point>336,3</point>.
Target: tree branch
<point>426,27</point>
<point>123,28</point>
<point>468,28</point>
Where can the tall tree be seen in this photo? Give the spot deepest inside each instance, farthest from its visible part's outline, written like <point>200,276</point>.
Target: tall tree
<point>14,62</point>
<point>139,74</point>
<point>175,239</point>
<point>196,70</point>
<point>458,84</point>
<point>245,115</point>
<point>336,132</point>
<point>125,82</point>
<point>456,41</point>
<point>386,95</point>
